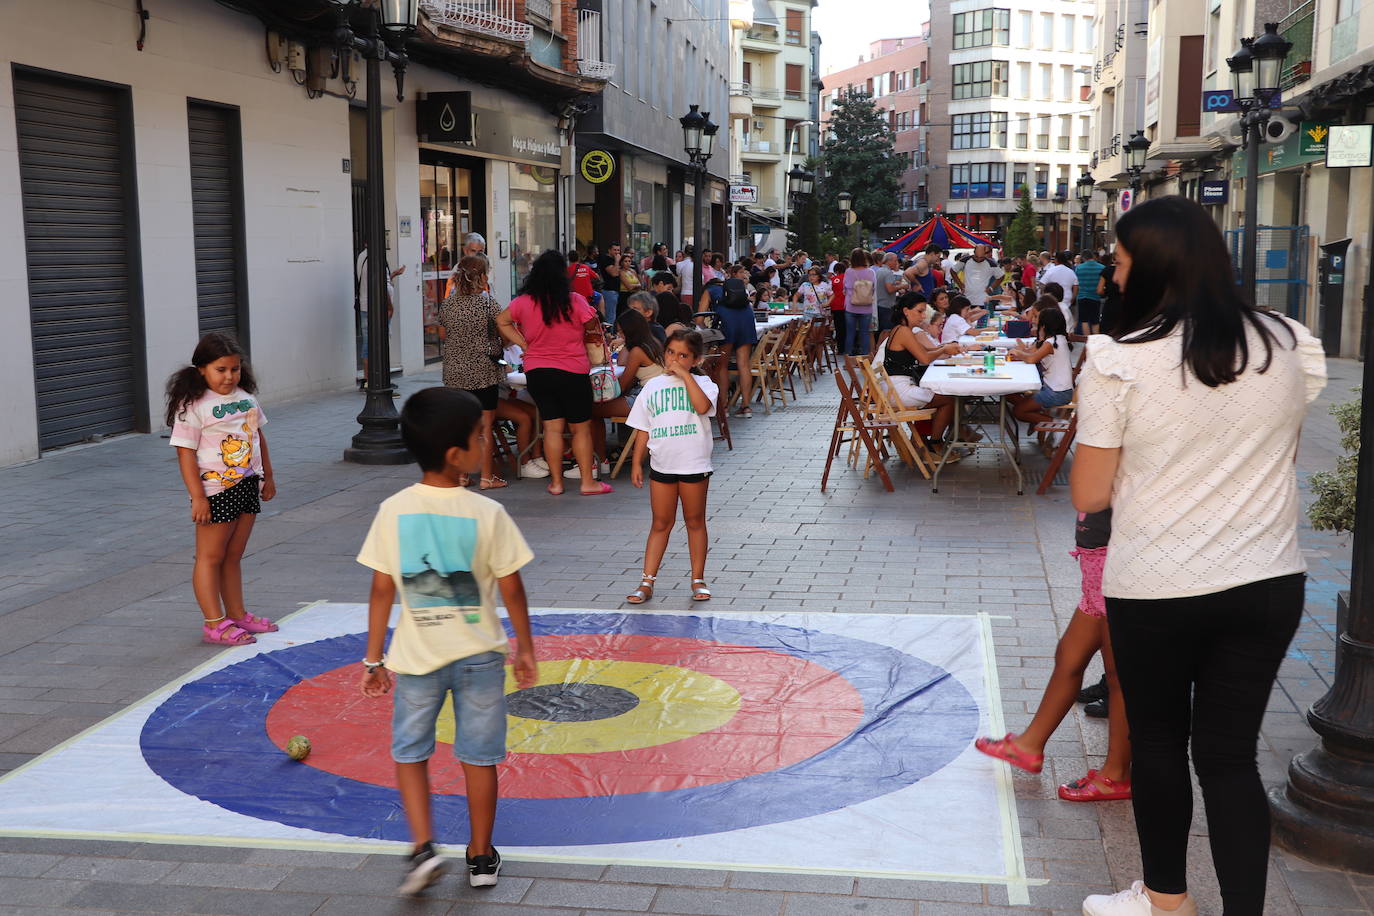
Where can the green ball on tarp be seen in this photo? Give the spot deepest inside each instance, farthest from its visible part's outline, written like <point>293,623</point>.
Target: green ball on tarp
<point>298,748</point>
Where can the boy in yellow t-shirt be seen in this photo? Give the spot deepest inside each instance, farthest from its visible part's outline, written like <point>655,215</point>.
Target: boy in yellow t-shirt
<point>446,551</point>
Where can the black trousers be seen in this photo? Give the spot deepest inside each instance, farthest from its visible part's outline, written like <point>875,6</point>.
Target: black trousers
<point>838,318</point>
<point>1202,668</point>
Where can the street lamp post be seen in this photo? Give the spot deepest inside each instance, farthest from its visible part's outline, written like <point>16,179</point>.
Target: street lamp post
<point>845,200</point>
<point>390,22</point>
<point>1057,206</point>
<point>698,142</point>
<point>1136,149</point>
<point>1084,190</point>
<point>1255,71</point>
<point>800,184</point>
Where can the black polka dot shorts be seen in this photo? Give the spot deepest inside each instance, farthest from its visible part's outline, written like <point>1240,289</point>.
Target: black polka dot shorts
<point>240,499</point>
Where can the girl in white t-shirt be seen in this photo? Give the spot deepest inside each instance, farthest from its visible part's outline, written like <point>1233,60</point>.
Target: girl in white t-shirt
<point>671,419</point>
<point>1051,352</point>
<point>962,316</point>
<point>217,431</point>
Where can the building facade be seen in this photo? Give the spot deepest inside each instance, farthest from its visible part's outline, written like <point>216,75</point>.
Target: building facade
<point>772,112</point>
<point>1010,106</point>
<point>634,185</point>
<point>156,188</point>
<point>895,74</point>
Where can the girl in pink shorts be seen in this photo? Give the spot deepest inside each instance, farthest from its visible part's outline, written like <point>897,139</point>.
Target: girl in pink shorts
<point>1087,633</point>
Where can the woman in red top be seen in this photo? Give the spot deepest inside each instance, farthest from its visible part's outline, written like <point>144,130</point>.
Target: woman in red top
<point>549,322</point>
<point>837,301</point>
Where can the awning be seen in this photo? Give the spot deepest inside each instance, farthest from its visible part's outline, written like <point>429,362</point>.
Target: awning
<point>761,217</point>
<point>764,15</point>
<point>1185,150</point>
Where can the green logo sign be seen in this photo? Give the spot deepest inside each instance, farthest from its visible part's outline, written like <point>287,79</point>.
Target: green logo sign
<point>1312,138</point>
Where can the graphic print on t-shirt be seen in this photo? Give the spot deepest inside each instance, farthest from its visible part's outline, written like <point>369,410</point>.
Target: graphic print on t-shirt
<point>436,567</point>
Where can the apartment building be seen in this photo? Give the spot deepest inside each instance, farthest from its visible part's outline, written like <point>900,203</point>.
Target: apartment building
<point>772,97</point>
<point>1010,107</point>
<point>894,73</point>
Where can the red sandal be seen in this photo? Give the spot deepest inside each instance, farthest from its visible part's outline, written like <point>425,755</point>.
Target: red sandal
<point>1006,751</point>
<point>1094,788</point>
<point>226,632</point>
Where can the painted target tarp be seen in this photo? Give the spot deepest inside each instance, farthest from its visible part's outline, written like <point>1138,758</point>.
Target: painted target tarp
<point>702,739</point>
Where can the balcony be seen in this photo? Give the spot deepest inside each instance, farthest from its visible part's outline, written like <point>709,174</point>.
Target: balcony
<point>591,60</point>
<point>764,150</point>
<point>761,38</point>
<point>1297,27</point>
<point>493,18</point>
<point>758,96</point>
<point>540,9</point>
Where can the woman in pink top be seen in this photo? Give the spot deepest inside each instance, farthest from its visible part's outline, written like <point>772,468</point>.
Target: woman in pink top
<point>548,321</point>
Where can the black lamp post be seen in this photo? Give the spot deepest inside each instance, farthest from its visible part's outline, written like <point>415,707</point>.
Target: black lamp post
<point>1084,191</point>
<point>1057,207</point>
<point>845,200</point>
<point>390,22</point>
<point>1136,148</point>
<point>800,184</point>
<point>1255,71</point>
<point>698,142</point>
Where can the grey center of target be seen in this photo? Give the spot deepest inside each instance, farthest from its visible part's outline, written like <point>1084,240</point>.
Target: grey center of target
<point>571,702</point>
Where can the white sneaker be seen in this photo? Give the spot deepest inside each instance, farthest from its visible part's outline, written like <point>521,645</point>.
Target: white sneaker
<point>575,473</point>
<point>542,463</point>
<point>535,468</point>
<point>1133,902</point>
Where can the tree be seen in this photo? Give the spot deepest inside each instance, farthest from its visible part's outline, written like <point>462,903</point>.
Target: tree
<point>859,158</point>
<point>1021,233</point>
<point>1334,507</point>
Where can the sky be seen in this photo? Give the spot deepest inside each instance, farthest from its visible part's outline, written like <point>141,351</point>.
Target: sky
<point>847,27</point>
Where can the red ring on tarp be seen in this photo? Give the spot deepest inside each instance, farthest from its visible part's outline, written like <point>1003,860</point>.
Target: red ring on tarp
<point>790,709</point>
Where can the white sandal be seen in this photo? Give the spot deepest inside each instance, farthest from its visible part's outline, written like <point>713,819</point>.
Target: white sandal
<point>699,590</point>
<point>644,592</point>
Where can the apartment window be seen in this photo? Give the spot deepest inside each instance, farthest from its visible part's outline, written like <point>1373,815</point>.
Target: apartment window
<point>1065,131</point>
<point>1023,80</point>
<point>1018,181</point>
<point>1022,131</point>
<point>793,86</point>
<point>982,28</point>
<point>1087,22</point>
<point>1042,134</point>
<point>980,80</point>
<point>1042,182</point>
<point>796,26</point>
<point>1068,26</point>
<point>795,135</point>
<point>1024,30</point>
<point>1046,90</point>
<point>1084,129</point>
<point>980,130</point>
<point>978,180</point>
<point>1047,31</point>
<point>1345,9</point>
<point>1066,82</point>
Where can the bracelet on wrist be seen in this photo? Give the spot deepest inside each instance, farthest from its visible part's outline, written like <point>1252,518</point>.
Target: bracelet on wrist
<point>374,666</point>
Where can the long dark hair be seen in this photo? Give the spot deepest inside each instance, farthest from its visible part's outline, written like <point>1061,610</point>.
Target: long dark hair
<point>1168,238</point>
<point>635,328</point>
<point>186,385</point>
<point>1052,325</point>
<point>547,284</point>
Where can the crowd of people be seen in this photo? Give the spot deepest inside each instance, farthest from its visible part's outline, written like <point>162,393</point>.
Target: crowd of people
<point>1192,578</point>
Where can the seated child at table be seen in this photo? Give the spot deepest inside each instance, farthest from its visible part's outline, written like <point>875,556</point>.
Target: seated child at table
<point>1051,353</point>
<point>960,317</point>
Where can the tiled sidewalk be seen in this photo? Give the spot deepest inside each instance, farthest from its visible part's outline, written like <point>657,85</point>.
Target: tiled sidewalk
<point>96,610</point>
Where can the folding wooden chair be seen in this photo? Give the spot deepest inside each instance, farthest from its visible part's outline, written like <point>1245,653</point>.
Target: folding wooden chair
<point>852,426</point>
<point>797,359</point>
<point>1066,436</point>
<point>1064,425</point>
<point>900,421</point>
<point>717,366</point>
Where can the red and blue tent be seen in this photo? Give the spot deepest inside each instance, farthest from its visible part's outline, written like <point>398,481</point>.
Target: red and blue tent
<point>937,231</point>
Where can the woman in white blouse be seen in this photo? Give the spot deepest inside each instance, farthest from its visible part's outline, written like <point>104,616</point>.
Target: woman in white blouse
<point>1188,428</point>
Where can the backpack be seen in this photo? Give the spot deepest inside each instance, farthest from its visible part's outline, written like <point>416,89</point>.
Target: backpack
<point>862,293</point>
<point>735,295</point>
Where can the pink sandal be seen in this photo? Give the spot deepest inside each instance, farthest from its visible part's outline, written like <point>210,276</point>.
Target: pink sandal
<point>605,488</point>
<point>252,624</point>
<point>1006,751</point>
<point>226,633</point>
<point>1095,787</point>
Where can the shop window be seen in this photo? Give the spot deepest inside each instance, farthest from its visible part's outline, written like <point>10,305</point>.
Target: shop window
<point>533,216</point>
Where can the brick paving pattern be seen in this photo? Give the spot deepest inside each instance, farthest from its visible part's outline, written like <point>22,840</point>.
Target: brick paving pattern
<point>96,611</point>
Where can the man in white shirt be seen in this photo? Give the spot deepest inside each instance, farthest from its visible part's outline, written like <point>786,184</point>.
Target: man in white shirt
<point>1062,272</point>
<point>950,267</point>
<point>979,273</point>
<point>684,274</point>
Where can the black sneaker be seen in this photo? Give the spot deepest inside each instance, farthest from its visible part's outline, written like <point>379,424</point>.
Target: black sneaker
<point>424,869</point>
<point>483,870</point>
<point>1094,693</point>
<point>1097,709</point>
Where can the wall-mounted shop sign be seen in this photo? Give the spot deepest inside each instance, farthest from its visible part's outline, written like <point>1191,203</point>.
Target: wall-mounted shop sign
<point>1350,146</point>
<point>1214,192</point>
<point>597,166</point>
<point>744,194</point>
<point>444,117</point>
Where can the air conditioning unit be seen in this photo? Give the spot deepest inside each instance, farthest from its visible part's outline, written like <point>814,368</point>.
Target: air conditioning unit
<point>759,126</point>
<point>1279,129</point>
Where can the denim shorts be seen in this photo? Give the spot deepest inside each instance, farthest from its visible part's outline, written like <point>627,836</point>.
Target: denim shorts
<point>478,685</point>
<point>1048,397</point>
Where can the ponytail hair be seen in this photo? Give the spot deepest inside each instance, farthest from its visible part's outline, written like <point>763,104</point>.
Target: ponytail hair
<point>186,385</point>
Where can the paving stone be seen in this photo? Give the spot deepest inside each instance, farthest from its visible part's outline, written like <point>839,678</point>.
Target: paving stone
<point>217,874</point>
<point>124,871</point>
<point>637,874</point>
<point>817,905</point>
<point>39,891</point>
<point>1322,888</point>
<point>551,892</point>
<point>953,892</point>
<point>382,906</point>
<point>815,884</point>
<point>695,902</point>
<point>552,870</point>
<point>26,864</point>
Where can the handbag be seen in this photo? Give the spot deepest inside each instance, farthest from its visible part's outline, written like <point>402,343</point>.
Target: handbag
<point>595,342</point>
<point>605,386</point>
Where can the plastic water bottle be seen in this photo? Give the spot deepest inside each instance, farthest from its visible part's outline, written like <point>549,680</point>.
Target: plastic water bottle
<point>989,361</point>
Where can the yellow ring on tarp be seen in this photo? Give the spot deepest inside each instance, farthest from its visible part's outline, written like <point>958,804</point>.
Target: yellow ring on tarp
<point>674,703</point>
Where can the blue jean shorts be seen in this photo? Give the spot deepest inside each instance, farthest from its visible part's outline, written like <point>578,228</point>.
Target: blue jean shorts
<point>1048,397</point>
<point>478,686</point>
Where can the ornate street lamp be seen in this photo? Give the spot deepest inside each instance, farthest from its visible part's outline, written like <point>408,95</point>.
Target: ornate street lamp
<point>1255,72</point>
<point>846,201</point>
<point>1136,149</point>
<point>1083,190</point>
<point>389,24</point>
<point>692,126</point>
<point>698,142</point>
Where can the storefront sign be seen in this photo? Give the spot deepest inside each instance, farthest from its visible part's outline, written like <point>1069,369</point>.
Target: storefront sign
<point>1312,138</point>
<point>501,133</point>
<point>597,166</point>
<point>445,117</point>
<point>744,194</point>
<point>1214,192</point>
<point>1350,146</point>
<point>1124,200</point>
<point>1277,156</point>
<point>1218,100</point>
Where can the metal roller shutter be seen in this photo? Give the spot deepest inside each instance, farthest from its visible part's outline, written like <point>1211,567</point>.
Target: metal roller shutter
<point>78,230</point>
<point>216,202</point>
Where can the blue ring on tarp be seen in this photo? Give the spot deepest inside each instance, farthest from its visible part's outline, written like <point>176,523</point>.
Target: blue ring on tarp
<point>209,740</point>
